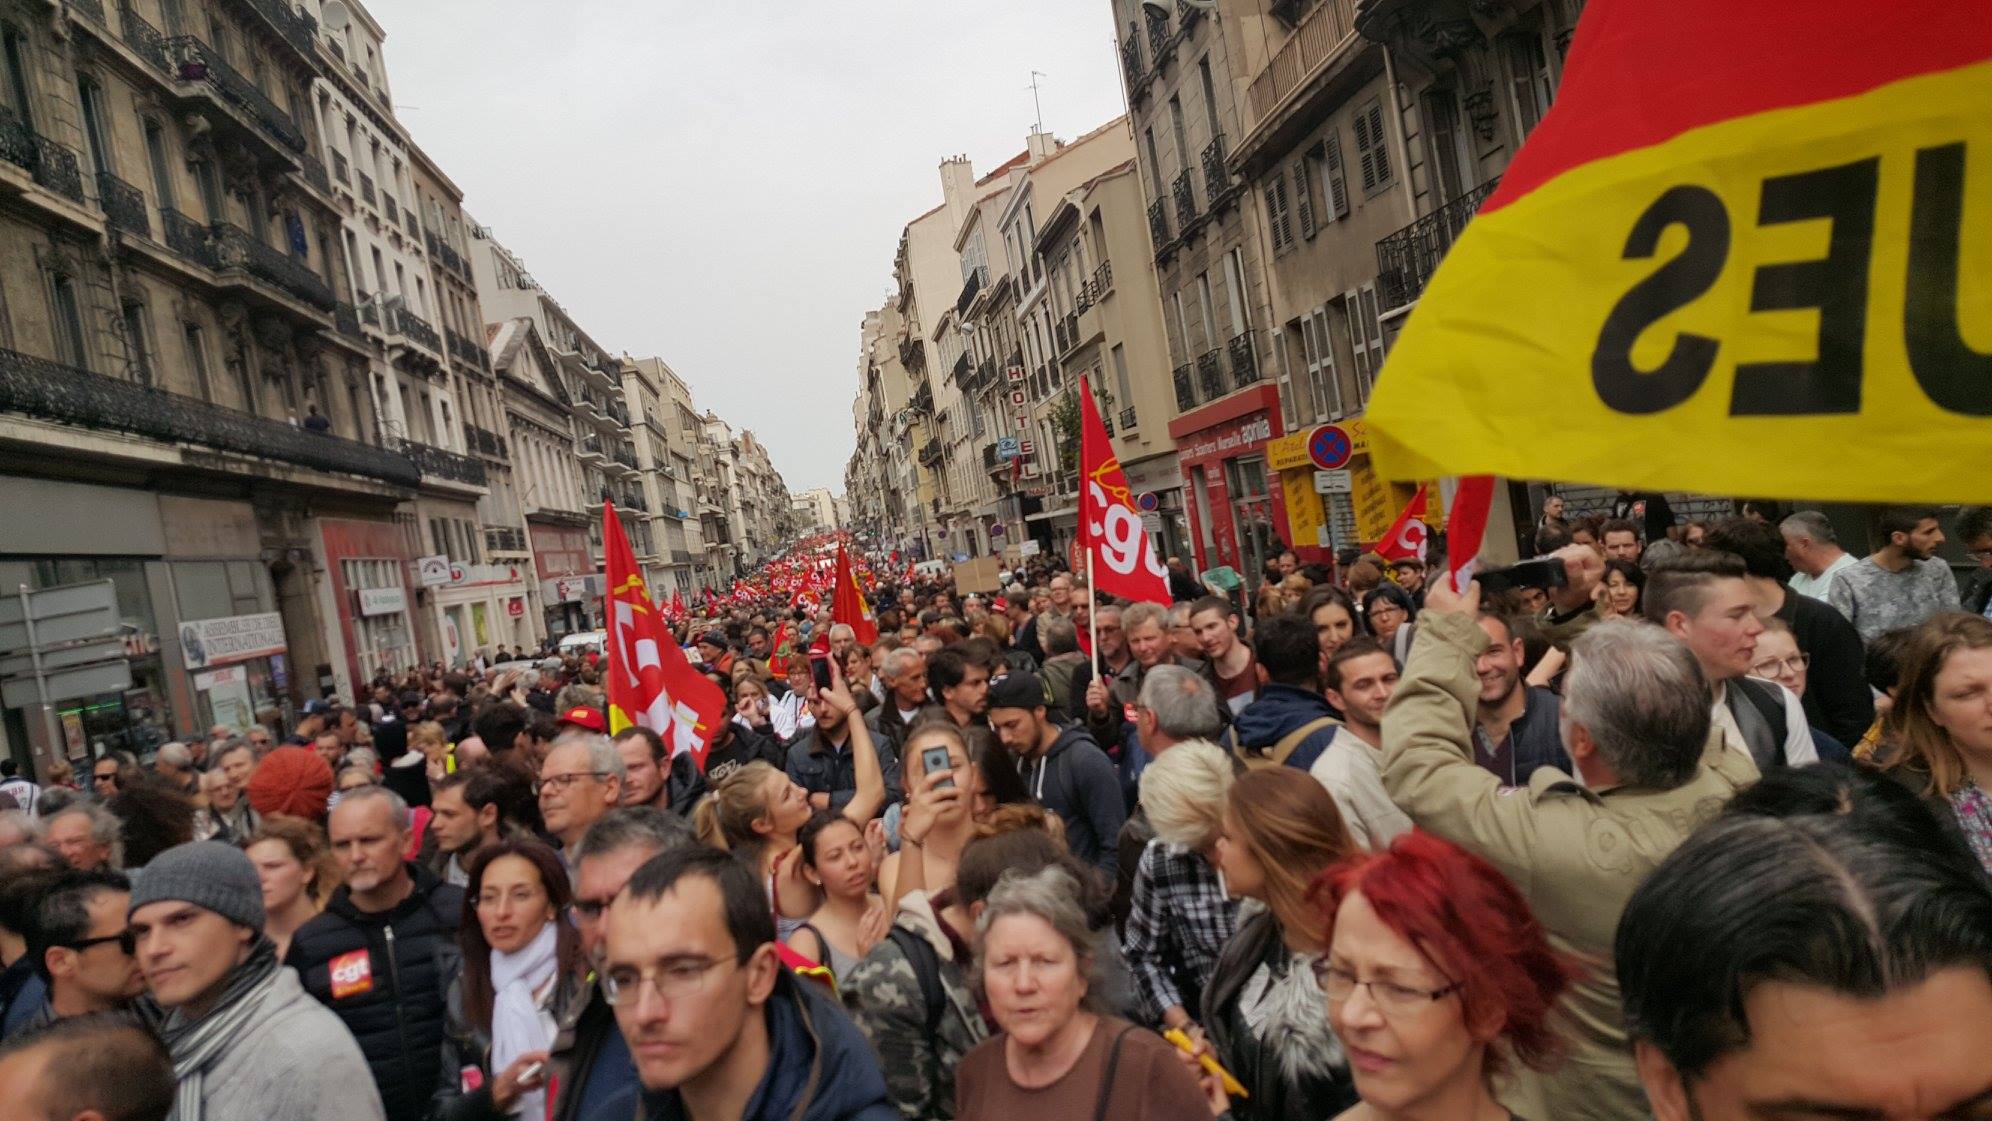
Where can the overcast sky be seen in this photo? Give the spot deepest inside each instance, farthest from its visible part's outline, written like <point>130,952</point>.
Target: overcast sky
<point>722,183</point>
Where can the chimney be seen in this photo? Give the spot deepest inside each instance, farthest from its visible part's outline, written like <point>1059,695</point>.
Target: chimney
<point>957,183</point>
<point>1041,145</point>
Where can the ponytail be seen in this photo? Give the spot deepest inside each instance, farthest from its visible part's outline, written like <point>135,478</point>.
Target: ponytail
<point>705,821</point>
<point>725,817</point>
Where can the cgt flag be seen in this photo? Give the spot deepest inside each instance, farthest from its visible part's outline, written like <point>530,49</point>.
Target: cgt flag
<point>1745,253</point>
<point>650,684</point>
<point>848,604</point>
<point>1407,536</point>
<point>1121,558</point>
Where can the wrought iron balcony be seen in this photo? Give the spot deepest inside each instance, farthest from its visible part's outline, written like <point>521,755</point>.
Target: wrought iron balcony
<point>930,453</point>
<point>504,539</point>
<point>591,448</point>
<point>187,238</point>
<point>195,64</point>
<point>367,189</point>
<point>297,28</point>
<point>144,38</point>
<point>52,165</point>
<point>49,390</point>
<point>1158,224</point>
<point>960,371</point>
<point>123,205</point>
<point>1186,201</point>
<point>415,327</point>
<point>438,463</point>
<point>1217,179</point>
<point>1186,389</point>
<point>313,172</point>
<point>976,278</point>
<point>237,249</point>
<point>1210,375</point>
<point>1407,259</point>
<point>1127,418</point>
<point>94,9</point>
<point>483,441</point>
<point>1244,360</point>
<point>369,314</point>
<point>1158,35</point>
<point>624,456</point>
<point>1103,281</point>
<point>1130,52</point>
<point>347,321</point>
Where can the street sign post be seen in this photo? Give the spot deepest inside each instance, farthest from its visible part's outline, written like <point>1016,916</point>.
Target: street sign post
<point>60,643</point>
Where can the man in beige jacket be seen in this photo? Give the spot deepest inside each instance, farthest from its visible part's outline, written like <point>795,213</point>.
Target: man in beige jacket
<point>1636,726</point>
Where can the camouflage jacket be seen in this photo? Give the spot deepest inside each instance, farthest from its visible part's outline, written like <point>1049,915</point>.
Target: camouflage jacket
<point>884,996</point>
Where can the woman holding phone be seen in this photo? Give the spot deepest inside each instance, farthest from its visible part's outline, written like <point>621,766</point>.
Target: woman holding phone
<point>941,785</point>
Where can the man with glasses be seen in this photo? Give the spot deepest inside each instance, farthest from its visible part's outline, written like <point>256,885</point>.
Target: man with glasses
<point>82,945</point>
<point>108,774</point>
<point>714,1023</point>
<point>581,779</point>
<point>591,1058</point>
<point>382,954</point>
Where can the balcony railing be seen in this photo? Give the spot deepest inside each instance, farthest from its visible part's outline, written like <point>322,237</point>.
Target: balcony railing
<point>1186,201</point>
<point>341,170</point>
<point>1158,35</point>
<point>1407,259</point>
<point>1102,282</point>
<point>1244,360</point>
<point>49,390</point>
<point>367,189</point>
<point>483,441</point>
<point>1127,418</point>
<point>438,463</point>
<point>195,62</point>
<point>314,174</point>
<point>53,165</point>
<point>1210,375</point>
<point>123,205</point>
<point>970,286</point>
<point>625,457</point>
<point>1158,223</point>
<point>94,9</point>
<point>187,238</point>
<point>347,321</point>
<point>1314,41</point>
<point>143,38</point>
<point>388,206</point>
<point>1186,389</point>
<point>297,28</point>
<point>504,539</point>
<point>1130,52</point>
<point>236,248</point>
<point>415,327</point>
<point>592,446</point>
<point>1217,178</point>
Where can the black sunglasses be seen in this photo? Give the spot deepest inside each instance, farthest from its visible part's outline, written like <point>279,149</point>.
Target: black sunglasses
<point>126,940</point>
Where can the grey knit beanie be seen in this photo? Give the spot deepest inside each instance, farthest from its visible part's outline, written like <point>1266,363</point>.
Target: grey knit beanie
<point>207,874</point>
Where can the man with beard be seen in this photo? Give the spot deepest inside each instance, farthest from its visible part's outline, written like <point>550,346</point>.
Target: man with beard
<point>1900,584</point>
<point>960,684</point>
<point>673,786</point>
<point>245,1039</point>
<point>382,954</point>
<point>468,813</point>
<point>822,758</point>
<point>1515,727</point>
<point>1062,767</point>
<point>81,947</point>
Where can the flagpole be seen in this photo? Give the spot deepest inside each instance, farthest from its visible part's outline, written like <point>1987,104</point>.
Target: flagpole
<point>1092,616</point>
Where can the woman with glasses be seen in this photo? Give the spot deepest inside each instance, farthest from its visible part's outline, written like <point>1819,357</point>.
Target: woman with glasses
<point>1059,1053</point>
<point>1389,611</point>
<point>1262,1010</point>
<point>1438,981</point>
<point>295,866</point>
<point>1779,659</point>
<point>523,980</point>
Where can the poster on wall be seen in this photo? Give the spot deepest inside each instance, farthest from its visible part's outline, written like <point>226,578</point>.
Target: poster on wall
<point>235,638</point>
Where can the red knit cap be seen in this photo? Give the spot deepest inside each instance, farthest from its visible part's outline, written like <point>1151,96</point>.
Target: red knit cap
<point>291,780</point>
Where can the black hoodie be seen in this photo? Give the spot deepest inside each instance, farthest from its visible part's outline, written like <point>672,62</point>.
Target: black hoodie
<point>1075,780</point>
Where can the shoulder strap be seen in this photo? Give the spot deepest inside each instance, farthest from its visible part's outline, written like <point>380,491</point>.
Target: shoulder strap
<point>926,965</point>
<point>1107,1083</point>
<point>1768,699</point>
<point>1291,742</point>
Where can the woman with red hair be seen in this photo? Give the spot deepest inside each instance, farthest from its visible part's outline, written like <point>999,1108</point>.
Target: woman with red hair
<point>1438,978</point>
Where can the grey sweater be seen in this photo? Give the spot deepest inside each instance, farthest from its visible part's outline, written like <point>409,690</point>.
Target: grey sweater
<point>295,1062</point>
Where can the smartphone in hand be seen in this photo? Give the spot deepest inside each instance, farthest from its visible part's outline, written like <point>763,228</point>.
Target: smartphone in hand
<point>936,759</point>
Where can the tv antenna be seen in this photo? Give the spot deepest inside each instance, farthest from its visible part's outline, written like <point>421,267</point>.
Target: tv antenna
<point>1035,102</point>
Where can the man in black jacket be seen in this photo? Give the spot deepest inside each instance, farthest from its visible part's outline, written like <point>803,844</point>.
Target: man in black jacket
<point>674,786</point>
<point>383,953</point>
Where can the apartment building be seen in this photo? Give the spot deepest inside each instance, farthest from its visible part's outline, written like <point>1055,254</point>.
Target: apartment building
<point>667,451</point>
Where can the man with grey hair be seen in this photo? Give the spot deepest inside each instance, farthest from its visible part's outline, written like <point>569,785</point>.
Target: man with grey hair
<point>591,1056</point>
<point>1812,546</point>
<point>1650,769</point>
<point>581,779</point>
<point>1175,706</point>
<point>174,763</point>
<point>89,837</point>
<point>905,678</point>
<point>382,954</point>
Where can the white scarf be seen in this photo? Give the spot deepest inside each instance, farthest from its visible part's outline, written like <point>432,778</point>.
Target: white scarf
<point>516,1027</point>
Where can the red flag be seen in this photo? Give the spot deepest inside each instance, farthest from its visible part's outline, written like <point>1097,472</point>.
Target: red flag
<point>1406,537</point>
<point>1466,526</point>
<point>1110,532</point>
<point>849,606</point>
<point>650,682</point>
<point>777,661</point>
<point>677,605</point>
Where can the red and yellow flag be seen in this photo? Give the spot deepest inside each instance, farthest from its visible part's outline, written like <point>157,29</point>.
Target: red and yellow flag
<point>1110,532</point>
<point>848,604</point>
<point>1749,251</point>
<point>650,683</point>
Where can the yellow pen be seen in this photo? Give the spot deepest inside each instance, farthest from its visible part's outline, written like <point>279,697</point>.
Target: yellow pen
<point>1183,1044</point>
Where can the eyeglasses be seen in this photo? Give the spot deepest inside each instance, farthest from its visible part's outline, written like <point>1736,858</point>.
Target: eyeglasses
<point>564,782</point>
<point>590,909</point>
<point>675,980</point>
<point>1770,666</point>
<point>518,897</point>
<point>126,940</point>
<point>1338,985</point>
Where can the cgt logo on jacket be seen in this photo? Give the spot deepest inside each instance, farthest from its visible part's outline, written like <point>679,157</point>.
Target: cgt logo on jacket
<point>352,974</point>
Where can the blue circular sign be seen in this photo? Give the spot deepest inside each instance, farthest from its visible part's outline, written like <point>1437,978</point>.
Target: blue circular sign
<point>1330,447</point>
<point>1147,502</point>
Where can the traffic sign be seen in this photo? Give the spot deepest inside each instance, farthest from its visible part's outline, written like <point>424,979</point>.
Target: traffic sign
<point>1329,447</point>
<point>1333,482</point>
<point>1147,502</point>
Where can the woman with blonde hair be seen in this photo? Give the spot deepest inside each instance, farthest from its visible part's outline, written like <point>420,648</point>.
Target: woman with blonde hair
<point>429,738</point>
<point>757,811</point>
<point>295,866</point>
<point>1262,1010</point>
<point>1938,733</point>
<point>1179,918</point>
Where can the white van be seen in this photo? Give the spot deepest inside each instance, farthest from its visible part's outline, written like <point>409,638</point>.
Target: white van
<point>583,642</point>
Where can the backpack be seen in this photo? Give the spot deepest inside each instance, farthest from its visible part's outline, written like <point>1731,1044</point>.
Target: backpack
<point>1767,699</point>
<point>1284,749</point>
<point>926,969</point>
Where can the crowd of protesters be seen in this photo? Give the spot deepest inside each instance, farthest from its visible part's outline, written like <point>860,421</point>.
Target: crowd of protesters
<point>1701,832</point>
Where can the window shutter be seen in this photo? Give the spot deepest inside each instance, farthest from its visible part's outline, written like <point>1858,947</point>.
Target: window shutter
<point>1379,144</point>
<point>1279,223</point>
<point>1305,190</point>
<point>1338,186</point>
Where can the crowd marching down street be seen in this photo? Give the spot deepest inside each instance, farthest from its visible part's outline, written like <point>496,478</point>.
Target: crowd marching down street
<point>1683,819</point>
